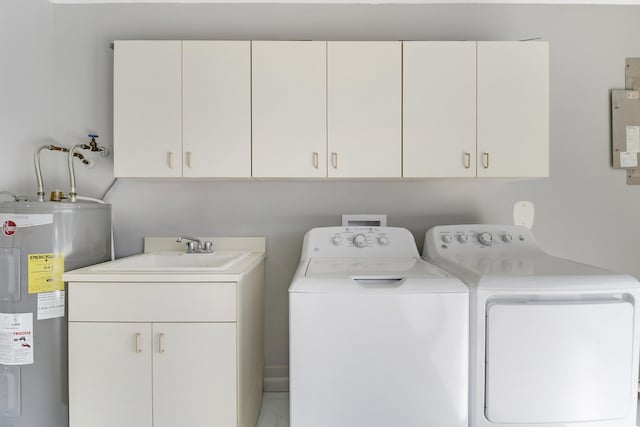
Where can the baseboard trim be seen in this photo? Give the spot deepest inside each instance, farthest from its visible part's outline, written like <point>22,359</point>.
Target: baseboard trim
<point>276,378</point>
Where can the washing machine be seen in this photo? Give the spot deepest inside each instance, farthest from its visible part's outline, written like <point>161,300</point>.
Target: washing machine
<point>378,336</point>
<point>553,343</point>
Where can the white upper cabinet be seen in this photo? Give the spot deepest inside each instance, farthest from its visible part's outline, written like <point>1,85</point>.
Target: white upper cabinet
<point>147,109</point>
<point>182,109</point>
<point>513,109</point>
<point>439,109</point>
<point>337,109</point>
<point>364,109</point>
<point>289,104</point>
<point>216,108</point>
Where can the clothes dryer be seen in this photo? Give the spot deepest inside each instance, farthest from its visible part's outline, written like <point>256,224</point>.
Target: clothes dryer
<point>553,343</point>
<point>378,336</point>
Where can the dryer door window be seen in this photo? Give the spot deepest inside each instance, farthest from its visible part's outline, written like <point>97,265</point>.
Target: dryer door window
<point>558,362</point>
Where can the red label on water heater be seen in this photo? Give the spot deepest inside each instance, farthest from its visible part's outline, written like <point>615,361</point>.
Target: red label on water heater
<point>9,228</point>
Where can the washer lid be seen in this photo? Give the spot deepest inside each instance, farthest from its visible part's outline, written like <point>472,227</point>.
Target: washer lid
<point>371,267</point>
<point>406,275</point>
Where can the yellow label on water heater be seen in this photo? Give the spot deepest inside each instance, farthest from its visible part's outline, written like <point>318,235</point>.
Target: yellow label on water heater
<point>45,273</point>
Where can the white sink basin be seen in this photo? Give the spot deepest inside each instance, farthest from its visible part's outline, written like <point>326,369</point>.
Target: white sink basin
<point>174,262</point>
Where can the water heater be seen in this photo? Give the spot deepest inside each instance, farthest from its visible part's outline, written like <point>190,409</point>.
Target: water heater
<point>38,242</point>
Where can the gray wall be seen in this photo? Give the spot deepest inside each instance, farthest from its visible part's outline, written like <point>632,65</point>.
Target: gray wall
<point>25,90</point>
<point>585,211</point>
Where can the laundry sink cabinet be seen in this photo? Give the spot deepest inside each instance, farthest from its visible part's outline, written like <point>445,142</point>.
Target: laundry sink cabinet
<point>166,350</point>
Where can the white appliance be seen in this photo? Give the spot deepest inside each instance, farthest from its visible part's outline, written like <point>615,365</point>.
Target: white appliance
<point>38,242</point>
<point>378,336</point>
<point>553,343</point>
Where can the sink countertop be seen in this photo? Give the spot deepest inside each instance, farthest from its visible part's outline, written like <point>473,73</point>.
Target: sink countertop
<point>254,245</point>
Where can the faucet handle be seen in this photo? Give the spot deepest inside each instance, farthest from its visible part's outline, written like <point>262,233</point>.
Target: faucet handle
<point>192,246</point>
<point>208,246</point>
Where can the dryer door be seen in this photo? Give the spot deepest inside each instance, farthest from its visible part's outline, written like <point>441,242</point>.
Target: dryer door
<point>558,362</point>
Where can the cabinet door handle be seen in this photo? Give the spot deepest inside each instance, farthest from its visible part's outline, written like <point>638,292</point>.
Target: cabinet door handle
<point>161,343</point>
<point>188,159</point>
<point>485,160</point>
<point>334,160</point>
<point>170,159</point>
<point>315,159</point>
<point>138,349</point>
<point>467,160</point>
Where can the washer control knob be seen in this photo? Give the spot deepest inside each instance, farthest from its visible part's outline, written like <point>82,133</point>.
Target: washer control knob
<point>447,238</point>
<point>485,238</point>
<point>359,241</point>
<point>506,237</point>
<point>383,240</point>
<point>462,238</point>
<point>337,240</point>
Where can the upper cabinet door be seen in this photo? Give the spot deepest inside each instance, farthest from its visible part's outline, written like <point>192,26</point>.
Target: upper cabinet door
<point>147,109</point>
<point>364,101</point>
<point>439,112</point>
<point>289,109</point>
<point>216,97</point>
<point>513,109</point>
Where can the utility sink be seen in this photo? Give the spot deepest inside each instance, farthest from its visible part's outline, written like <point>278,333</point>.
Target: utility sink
<point>174,261</point>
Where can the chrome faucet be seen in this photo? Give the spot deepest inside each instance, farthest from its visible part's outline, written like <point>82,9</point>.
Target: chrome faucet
<point>195,246</point>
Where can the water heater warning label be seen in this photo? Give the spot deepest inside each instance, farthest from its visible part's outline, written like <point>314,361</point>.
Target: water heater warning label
<point>16,338</point>
<point>45,273</point>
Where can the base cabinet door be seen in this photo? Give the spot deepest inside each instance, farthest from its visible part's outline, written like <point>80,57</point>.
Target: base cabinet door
<point>194,375</point>
<point>110,374</point>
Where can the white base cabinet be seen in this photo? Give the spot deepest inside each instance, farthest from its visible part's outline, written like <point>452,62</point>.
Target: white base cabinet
<point>199,360</point>
<point>182,354</point>
<point>109,380</point>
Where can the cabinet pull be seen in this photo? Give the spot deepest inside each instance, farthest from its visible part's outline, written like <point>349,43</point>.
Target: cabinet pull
<point>485,160</point>
<point>170,159</point>
<point>188,159</point>
<point>334,160</point>
<point>315,159</point>
<point>138,349</point>
<point>161,343</point>
<point>467,160</point>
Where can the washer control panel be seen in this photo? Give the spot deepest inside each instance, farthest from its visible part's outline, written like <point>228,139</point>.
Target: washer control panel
<point>360,237</point>
<point>470,239</point>
<point>360,242</point>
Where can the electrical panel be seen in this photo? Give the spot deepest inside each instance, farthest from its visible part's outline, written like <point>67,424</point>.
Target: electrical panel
<point>625,123</point>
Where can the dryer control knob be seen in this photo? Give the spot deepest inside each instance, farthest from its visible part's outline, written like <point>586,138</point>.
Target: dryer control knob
<point>337,240</point>
<point>359,241</point>
<point>462,238</point>
<point>383,240</point>
<point>485,238</point>
<point>507,238</point>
